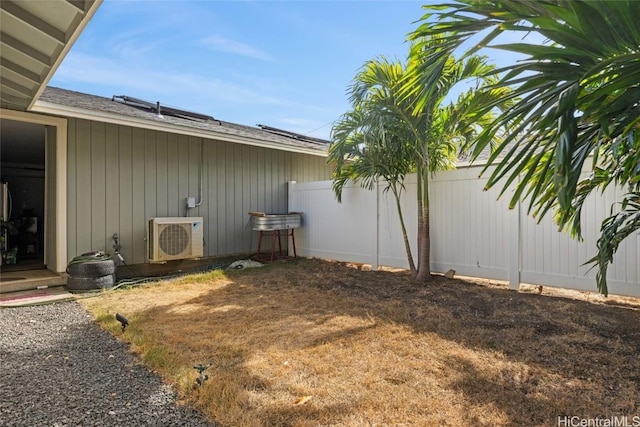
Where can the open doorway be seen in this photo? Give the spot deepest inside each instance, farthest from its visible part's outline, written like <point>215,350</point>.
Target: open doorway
<point>22,195</point>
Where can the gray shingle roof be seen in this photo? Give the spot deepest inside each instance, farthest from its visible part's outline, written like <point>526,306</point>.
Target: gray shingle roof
<point>217,128</point>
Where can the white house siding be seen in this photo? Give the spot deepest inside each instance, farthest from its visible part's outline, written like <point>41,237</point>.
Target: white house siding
<point>119,176</point>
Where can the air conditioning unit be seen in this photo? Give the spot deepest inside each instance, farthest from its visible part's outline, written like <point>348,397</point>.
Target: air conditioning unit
<point>174,238</point>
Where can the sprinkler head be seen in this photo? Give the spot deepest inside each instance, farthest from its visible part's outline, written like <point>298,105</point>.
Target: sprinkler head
<point>123,321</point>
<point>202,377</point>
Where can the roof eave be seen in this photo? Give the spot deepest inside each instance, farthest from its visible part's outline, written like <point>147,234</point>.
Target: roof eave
<point>63,53</point>
<point>51,108</point>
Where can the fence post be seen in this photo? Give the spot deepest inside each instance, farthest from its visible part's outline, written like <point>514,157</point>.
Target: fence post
<point>375,255</point>
<point>292,206</point>
<point>514,247</point>
<point>291,202</point>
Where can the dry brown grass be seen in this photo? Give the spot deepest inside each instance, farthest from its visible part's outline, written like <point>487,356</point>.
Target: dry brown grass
<point>375,348</point>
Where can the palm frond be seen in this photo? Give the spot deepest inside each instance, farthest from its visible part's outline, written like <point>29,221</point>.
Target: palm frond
<point>574,98</point>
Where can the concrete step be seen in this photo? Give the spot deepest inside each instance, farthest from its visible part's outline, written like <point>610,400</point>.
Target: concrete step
<point>34,297</point>
<point>28,280</point>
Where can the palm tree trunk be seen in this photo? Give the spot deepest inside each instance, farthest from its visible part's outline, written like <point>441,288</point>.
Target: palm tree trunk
<point>420,217</point>
<point>407,246</point>
<point>424,240</point>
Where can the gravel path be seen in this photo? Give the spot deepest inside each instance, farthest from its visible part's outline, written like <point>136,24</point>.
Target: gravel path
<point>58,368</point>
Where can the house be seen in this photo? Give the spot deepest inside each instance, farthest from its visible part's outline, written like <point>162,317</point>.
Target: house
<point>83,169</point>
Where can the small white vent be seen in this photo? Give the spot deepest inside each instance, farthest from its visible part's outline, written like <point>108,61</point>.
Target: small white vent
<point>174,238</point>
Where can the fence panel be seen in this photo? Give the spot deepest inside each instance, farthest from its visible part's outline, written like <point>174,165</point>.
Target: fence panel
<point>340,231</point>
<point>472,232</point>
<point>392,252</point>
<point>470,228</point>
<point>551,257</point>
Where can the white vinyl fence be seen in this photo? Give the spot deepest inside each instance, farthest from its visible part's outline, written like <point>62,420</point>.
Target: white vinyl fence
<point>472,232</point>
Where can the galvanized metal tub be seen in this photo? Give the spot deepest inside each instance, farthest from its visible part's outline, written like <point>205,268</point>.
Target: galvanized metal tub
<point>270,222</point>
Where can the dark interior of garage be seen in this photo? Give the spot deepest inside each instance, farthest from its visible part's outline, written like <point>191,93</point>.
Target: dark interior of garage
<point>22,195</point>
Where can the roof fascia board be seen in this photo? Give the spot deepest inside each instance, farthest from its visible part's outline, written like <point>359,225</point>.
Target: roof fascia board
<point>65,49</point>
<point>27,116</point>
<point>101,116</point>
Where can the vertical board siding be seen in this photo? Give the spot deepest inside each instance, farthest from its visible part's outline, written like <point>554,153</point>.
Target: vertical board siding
<point>98,180</point>
<point>211,196</point>
<point>119,176</point>
<point>251,197</point>
<point>138,195</point>
<point>194,166</point>
<point>280,184</point>
<point>84,214</point>
<point>125,191</point>
<point>150,174</point>
<point>112,196</point>
<point>241,164</point>
<point>162,173</point>
<point>268,178</point>
<point>173,205</point>
<point>183,174</point>
<point>233,197</point>
<point>260,173</point>
<point>221,205</point>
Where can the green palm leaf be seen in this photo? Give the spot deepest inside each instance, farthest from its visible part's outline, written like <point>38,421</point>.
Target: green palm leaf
<point>575,98</point>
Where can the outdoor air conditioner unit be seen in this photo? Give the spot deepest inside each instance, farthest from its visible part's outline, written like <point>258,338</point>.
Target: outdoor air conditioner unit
<point>174,238</point>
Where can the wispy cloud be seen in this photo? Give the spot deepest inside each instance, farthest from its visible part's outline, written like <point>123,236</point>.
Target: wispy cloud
<point>88,69</point>
<point>134,44</point>
<point>232,99</point>
<point>222,98</point>
<point>222,44</point>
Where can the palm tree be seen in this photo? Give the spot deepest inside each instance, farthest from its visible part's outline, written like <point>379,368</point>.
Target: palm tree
<point>368,147</point>
<point>385,136</point>
<point>576,98</point>
<point>372,141</point>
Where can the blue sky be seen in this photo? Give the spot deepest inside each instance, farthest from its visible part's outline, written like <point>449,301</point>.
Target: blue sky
<point>285,64</point>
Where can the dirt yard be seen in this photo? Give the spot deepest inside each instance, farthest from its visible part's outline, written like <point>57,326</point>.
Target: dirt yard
<point>317,343</point>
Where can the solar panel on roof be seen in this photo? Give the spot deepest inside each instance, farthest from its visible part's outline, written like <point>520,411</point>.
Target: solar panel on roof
<point>293,135</point>
<point>160,109</point>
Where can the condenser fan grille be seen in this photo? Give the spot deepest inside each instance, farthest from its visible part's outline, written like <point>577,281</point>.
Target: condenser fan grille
<point>174,239</point>
<point>171,238</point>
